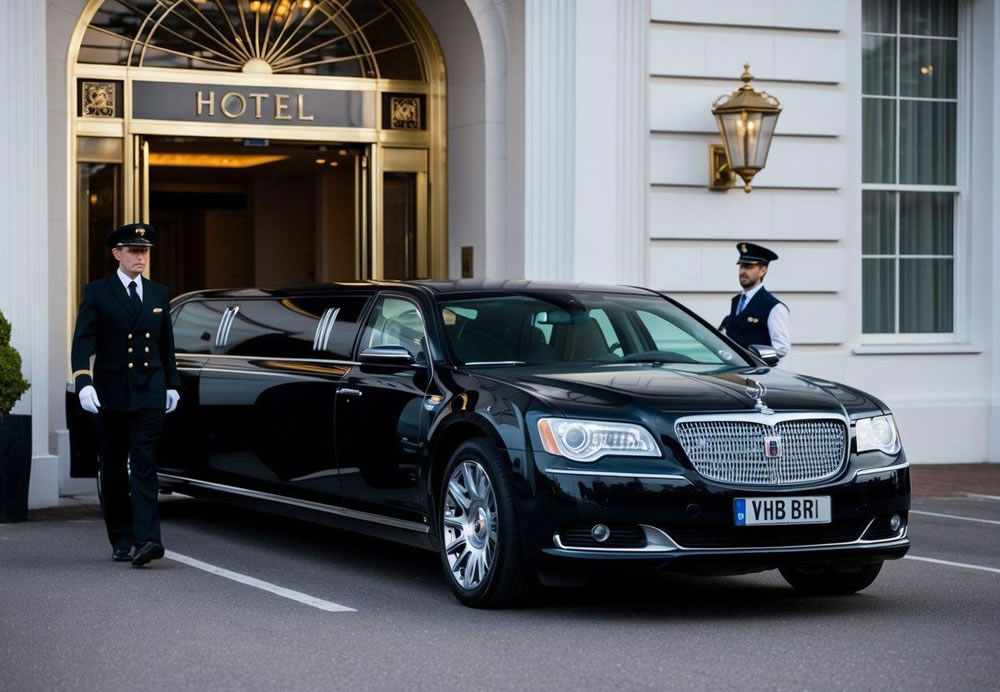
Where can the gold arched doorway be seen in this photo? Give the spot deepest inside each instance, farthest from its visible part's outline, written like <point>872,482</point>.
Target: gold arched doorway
<point>280,142</point>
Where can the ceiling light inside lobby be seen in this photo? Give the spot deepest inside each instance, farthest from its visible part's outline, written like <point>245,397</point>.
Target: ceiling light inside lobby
<point>212,160</point>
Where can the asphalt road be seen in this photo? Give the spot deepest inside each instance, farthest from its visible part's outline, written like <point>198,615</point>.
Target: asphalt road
<point>71,619</point>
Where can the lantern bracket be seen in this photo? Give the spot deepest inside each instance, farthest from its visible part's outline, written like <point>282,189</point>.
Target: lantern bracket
<point>720,174</point>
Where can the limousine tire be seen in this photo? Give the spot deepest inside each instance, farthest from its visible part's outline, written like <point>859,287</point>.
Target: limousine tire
<point>831,579</point>
<point>480,537</point>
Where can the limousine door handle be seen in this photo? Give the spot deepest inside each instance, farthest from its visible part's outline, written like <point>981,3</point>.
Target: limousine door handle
<point>349,392</point>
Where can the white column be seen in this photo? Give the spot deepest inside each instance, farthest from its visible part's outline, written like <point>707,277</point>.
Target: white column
<point>549,138</point>
<point>994,397</point>
<point>632,137</point>
<point>24,260</point>
<point>586,131</point>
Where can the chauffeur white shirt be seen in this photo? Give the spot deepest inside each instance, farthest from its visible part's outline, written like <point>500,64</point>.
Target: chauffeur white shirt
<point>777,323</point>
<point>138,286</point>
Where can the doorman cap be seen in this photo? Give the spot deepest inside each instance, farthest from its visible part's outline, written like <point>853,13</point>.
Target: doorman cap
<point>132,235</point>
<point>751,252</point>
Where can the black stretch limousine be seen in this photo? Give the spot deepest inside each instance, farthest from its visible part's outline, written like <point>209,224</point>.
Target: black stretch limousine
<point>531,432</point>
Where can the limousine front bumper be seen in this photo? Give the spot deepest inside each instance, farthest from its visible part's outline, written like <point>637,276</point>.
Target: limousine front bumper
<point>674,519</point>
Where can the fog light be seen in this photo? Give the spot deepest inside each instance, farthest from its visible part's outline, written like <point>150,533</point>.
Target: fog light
<point>600,533</point>
<point>895,522</point>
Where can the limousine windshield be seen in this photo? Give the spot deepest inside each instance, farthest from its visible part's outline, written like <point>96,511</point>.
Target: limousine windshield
<point>578,327</point>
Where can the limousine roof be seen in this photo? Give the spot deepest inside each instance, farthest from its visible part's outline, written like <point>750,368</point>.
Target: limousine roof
<point>433,286</point>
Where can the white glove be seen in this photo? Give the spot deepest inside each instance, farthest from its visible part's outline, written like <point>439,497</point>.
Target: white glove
<point>89,400</point>
<point>172,398</point>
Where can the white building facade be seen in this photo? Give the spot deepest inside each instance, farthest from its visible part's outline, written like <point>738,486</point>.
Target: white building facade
<point>568,140</point>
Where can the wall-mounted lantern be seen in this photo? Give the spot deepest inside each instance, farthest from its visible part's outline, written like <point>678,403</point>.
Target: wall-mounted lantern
<point>746,120</point>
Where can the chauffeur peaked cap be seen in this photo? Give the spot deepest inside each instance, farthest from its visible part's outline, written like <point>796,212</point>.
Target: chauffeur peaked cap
<point>132,235</point>
<point>751,252</point>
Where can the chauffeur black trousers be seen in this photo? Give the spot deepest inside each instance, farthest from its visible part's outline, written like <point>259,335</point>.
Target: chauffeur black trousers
<point>129,486</point>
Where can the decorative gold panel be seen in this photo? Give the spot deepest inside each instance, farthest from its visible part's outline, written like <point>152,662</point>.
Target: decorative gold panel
<point>405,113</point>
<point>97,99</point>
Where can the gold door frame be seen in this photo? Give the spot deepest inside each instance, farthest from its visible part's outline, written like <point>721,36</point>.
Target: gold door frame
<point>429,143</point>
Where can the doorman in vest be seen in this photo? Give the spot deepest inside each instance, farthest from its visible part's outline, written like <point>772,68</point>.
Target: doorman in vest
<point>125,320</point>
<point>756,316</point>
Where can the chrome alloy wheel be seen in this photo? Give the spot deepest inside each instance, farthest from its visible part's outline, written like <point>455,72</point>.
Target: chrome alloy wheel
<point>470,524</point>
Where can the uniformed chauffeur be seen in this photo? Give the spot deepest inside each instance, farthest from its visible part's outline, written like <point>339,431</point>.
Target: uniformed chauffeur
<point>125,320</point>
<point>756,316</point>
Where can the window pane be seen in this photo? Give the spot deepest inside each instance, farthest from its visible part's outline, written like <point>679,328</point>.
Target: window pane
<point>878,72</point>
<point>879,137</point>
<point>928,17</point>
<point>397,322</point>
<point>926,223</point>
<point>927,68</point>
<point>878,316</point>
<point>926,143</point>
<point>196,325</point>
<point>878,223</point>
<point>925,296</point>
<point>879,16</point>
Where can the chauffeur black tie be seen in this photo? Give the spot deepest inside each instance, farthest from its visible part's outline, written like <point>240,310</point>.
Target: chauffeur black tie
<point>134,294</point>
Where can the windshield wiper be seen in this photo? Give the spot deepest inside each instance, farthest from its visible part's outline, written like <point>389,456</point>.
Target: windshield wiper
<point>495,362</point>
<point>654,357</point>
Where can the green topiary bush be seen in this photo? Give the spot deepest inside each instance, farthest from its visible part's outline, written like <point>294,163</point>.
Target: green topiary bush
<point>12,385</point>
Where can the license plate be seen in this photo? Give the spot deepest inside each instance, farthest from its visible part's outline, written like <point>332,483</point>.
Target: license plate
<point>754,511</point>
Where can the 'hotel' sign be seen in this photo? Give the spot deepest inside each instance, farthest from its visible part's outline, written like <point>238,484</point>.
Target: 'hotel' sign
<point>222,103</point>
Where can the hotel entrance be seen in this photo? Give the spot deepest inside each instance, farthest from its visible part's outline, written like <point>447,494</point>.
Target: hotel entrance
<point>271,144</point>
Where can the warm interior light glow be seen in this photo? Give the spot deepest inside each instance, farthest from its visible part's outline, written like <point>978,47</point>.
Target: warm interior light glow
<point>342,152</point>
<point>212,160</point>
<point>927,69</point>
<point>334,163</point>
<point>321,161</point>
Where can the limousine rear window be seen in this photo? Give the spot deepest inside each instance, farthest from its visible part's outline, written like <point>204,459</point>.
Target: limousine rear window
<point>578,327</point>
<point>271,327</point>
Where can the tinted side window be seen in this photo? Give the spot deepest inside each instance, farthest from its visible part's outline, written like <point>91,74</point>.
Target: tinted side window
<point>396,322</point>
<point>196,324</point>
<point>290,327</point>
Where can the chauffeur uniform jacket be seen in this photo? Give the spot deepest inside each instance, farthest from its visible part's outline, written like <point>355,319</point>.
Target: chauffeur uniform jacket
<point>135,362</point>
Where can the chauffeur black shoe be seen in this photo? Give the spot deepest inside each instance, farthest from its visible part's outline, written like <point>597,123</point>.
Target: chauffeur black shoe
<point>121,554</point>
<point>150,550</point>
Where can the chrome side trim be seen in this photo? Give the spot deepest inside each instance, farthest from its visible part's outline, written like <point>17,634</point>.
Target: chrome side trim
<point>619,474</point>
<point>880,469</point>
<point>319,328</point>
<point>221,328</point>
<point>305,504</point>
<point>657,541</point>
<point>290,360</point>
<point>225,324</point>
<point>324,329</point>
<point>255,373</point>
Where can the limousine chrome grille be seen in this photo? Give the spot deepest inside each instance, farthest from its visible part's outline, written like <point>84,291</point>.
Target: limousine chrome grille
<point>752,449</point>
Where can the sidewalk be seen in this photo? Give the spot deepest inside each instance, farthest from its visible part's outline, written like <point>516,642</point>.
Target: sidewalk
<point>944,480</point>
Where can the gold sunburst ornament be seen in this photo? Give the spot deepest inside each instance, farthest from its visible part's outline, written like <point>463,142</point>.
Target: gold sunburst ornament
<point>334,37</point>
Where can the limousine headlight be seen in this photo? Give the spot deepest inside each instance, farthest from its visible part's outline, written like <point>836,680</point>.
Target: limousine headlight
<point>878,433</point>
<point>589,440</point>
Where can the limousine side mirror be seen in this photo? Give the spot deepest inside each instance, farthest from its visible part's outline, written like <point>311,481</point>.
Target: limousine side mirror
<point>386,355</point>
<point>765,353</point>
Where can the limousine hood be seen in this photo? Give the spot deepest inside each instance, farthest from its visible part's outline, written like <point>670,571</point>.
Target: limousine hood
<point>682,389</point>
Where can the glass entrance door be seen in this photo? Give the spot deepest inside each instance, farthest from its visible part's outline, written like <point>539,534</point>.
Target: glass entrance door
<point>402,247</point>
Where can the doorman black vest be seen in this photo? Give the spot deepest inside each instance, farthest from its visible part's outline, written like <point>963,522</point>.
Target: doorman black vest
<point>750,326</point>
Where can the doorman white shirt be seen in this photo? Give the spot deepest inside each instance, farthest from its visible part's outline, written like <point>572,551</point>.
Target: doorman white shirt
<point>138,284</point>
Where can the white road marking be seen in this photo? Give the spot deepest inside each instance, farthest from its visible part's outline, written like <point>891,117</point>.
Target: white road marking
<point>306,599</point>
<point>952,564</point>
<point>983,497</point>
<point>954,516</point>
